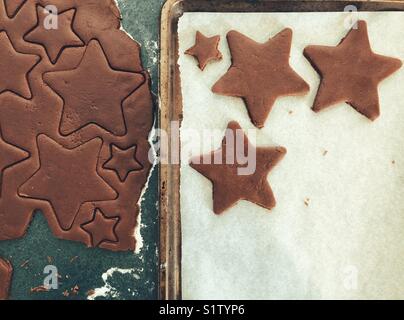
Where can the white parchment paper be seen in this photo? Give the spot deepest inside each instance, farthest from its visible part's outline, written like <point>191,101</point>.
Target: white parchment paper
<point>348,242</point>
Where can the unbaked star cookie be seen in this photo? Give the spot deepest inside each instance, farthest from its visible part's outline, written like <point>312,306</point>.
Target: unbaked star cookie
<point>260,73</point>
<point>123,161</point>
<point>67,178</point>
<point>101,228</point>
<point>93,92</point>
<point>237,178</point>
<point>205,49</point>
<point>351,72</point>
<point>54,40</point>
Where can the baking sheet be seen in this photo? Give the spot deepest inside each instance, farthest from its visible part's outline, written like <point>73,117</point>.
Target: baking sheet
<point>348,241</point>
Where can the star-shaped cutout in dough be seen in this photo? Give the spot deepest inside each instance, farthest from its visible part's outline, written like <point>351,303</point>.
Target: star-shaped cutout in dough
<point>93,92</point>
<point>14,68</point>
<point>13,6</point>
<point>101,228</point>
<point>9,155</point>
<point>351,72</point>
<point>230,183</point>
<point>205,49</point>
<point>54,40</point>
<point>67,178</point>
<point>260,73</point>
<point>123,161</point>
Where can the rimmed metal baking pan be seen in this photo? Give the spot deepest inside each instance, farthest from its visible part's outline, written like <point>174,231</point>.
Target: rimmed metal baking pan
<point>171,106</point>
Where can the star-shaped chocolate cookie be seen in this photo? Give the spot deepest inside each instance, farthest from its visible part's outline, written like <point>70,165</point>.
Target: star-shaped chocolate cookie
<point>205,49</point>
<point>101,228</point>
<point>93,92</point>
<point>260,73</point>
<point>54,40</point>
<point>123,161</point>
<point>351,72</point>
<point>67,178</point>
<point>239,171</point>
<point>14,68</point>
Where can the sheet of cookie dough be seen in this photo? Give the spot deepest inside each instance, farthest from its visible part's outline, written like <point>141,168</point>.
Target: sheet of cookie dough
<point>337,229</point>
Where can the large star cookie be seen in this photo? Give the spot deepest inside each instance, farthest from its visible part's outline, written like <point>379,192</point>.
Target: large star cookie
<point>93,92</point>
<point>260,73</point>
<point>235,177</point>
<point>351,72</point>
<point>67,178</point>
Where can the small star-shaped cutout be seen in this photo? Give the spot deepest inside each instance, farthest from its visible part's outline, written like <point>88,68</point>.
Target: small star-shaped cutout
<point>67,178</point>
<point>101,228</point>
<point>14,68</point>
<point>54,40</point>
<point>260,73</point>
<point>93,92</point>
<point>9,155</point>
<point>123,161</point>
<point>231,185</point>
<point>205,49</point>
<point>351,72</point>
